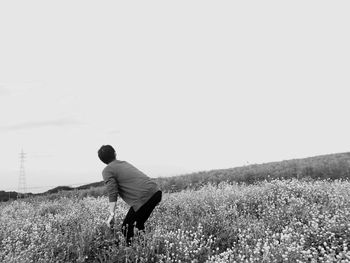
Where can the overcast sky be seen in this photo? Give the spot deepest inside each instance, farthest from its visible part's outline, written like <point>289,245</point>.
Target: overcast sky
<point>174,86</point>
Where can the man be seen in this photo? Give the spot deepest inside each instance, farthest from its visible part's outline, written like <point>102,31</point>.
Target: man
<point>134,187</point>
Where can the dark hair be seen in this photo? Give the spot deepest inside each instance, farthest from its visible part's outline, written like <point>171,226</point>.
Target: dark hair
<point>106,154</point>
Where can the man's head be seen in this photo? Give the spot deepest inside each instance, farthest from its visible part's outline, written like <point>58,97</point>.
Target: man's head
<point>106,154</point>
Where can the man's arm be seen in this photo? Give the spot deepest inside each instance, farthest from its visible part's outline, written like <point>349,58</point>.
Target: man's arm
<point>111,186</point>
<point>112,206</point>
<point>112,191</point>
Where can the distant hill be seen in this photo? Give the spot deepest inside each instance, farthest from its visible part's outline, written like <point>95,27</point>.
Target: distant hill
<point>330,166</point>
<point>58,189</point>
<point>88,186</point>
<point>6,196</point>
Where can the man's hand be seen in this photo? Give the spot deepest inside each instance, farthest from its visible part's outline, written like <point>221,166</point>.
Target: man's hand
<point>110,221</point>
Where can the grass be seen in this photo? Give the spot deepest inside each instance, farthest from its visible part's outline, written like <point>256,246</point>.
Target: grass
<point>277,221</point>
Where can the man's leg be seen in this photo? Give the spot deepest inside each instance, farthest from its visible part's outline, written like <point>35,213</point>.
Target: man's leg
<point>145,211</point>
<point>128,225</point>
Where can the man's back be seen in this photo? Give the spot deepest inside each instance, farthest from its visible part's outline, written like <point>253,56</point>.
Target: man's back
<point>133,186</point>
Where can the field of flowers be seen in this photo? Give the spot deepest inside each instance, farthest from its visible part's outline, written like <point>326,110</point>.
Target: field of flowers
<point>277,221</point>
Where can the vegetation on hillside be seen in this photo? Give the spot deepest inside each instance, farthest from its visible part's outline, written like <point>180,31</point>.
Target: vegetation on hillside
<point>277,221</point>
<point>332,166</point>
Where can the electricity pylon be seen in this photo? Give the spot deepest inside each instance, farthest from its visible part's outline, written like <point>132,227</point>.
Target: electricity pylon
<point>22,187</point>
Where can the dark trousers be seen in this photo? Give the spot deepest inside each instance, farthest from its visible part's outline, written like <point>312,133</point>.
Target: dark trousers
<point>140,217</point>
